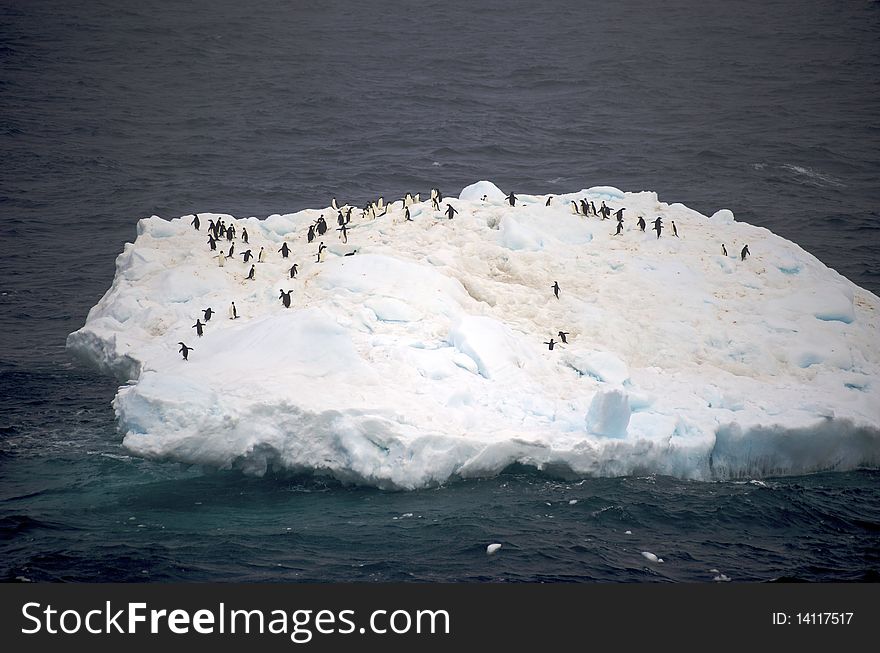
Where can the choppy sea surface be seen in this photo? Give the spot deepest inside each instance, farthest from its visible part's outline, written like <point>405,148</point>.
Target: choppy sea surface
<point>110,113</point>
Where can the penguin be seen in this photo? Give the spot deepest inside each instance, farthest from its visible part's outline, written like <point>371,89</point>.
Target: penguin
<point>334,204</point>
<point>406,214</point>
<point>407,199</point>
<point>434,193</point>
<point>439,196</point>
<point>212,243</point>
<point>745,252</point>
<point>562,335</point>
<point>641,223</point>
<point>185,350</point>
<point>418,198</point>
<point>198,326</point>
<point>261,257</point>
<point>658,225</point>
<point>547,203</point>
<point>208,313</point>
<point>340,219</point>
<point>450,211</point>
<point>230,230</point>
<point>584,209</point>
<point>619,214</point>
<point>344,233</point>
<point>233,312</point>
<point>195,223</point>
<point>231,250</point>
<point>723,249</point>
<point>252,274</point>
<point>246,255</point>
<point>221,259</point>
<point>435,204</point>
<point>381,203</point>
<point>674,230</point>
<point>285,298</point>
<point>351,253</point>
<point>619,226</point>
<point>244,235</point>
<point>293,271</point>
<point>593,207</point>
<point>484,198</point>
<point>575,207</point>
<point>321,226</point>
<point>511,198</point>
<point>311,235</point>
<point>210,225</point>
<point>555,287</point>
<point>285,250</point>
<point>551,343</point>
<point>321,249</point>
<point>605,211</point>
<point>348,215</point>
<point>221,231</point>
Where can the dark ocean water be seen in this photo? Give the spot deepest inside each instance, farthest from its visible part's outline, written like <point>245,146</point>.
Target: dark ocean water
<point>111,113</point>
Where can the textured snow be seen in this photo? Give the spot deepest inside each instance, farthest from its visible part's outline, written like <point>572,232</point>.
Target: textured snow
<point>423,356</point>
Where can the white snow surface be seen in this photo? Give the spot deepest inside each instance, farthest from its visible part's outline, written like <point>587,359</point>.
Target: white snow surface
<point>423,356</point>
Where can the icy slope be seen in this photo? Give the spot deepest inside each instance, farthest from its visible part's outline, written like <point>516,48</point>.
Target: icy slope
<point>424,355</point>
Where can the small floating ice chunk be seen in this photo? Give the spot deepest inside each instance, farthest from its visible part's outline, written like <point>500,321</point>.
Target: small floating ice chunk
<point>721,578</point>
<point>492,548</point>
<point>627,532</point>
<point>572,502</point>
<point>652,557</point>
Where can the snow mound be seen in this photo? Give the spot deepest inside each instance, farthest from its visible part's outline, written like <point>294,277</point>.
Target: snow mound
<point>419,350</point>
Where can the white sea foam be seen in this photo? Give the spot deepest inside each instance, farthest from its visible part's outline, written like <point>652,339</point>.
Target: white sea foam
<point>422,357</point>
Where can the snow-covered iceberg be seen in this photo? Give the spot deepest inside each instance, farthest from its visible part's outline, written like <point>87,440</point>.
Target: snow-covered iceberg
<point>426,354</point>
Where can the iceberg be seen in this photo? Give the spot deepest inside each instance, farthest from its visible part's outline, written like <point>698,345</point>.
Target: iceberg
<point>417,351</point>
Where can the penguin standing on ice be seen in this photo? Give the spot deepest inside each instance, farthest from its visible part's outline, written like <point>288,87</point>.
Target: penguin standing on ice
<point>221,259</point>
<point>575,207</point>
<point>641,223</point>
<point>619,225</point>
<point>344,233</point>
<point>285,250</point>
<point>244,235</point>
<point>185,350</point>
<point>605,211</point>
<point>198,326</point>
<point>195,223</point>
<point>555,287</point>
<point>551,343</point>
<point>450,211</point>
<point>311,235</point>
<point>285,298</point>
<point>334,204</point>
<point>261,257</point>
<point>293,271</point>
<point>723,249</point>
<point>593,208</point>
<point>584,208</point>
<point>406,214</point>
<point>321,249</point>
<point>562,335</point>
<point>246,255</point>
<point>233,312</point>
<point>212,243</point>
<point>745,252</point>
<point>210,225</point>
<point>674,230</point>
<point>547,203</point>
<point>230,232</point>
<point>435,199</point>
<point>252,275</point>
<point>231,250</point>
<point>658,225</point>
<point>340,219</point>
<point>208,313</point>
<point>619,214</point>
<point>511,198</point>
<point>321,227</point>
<point>348,215</point>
